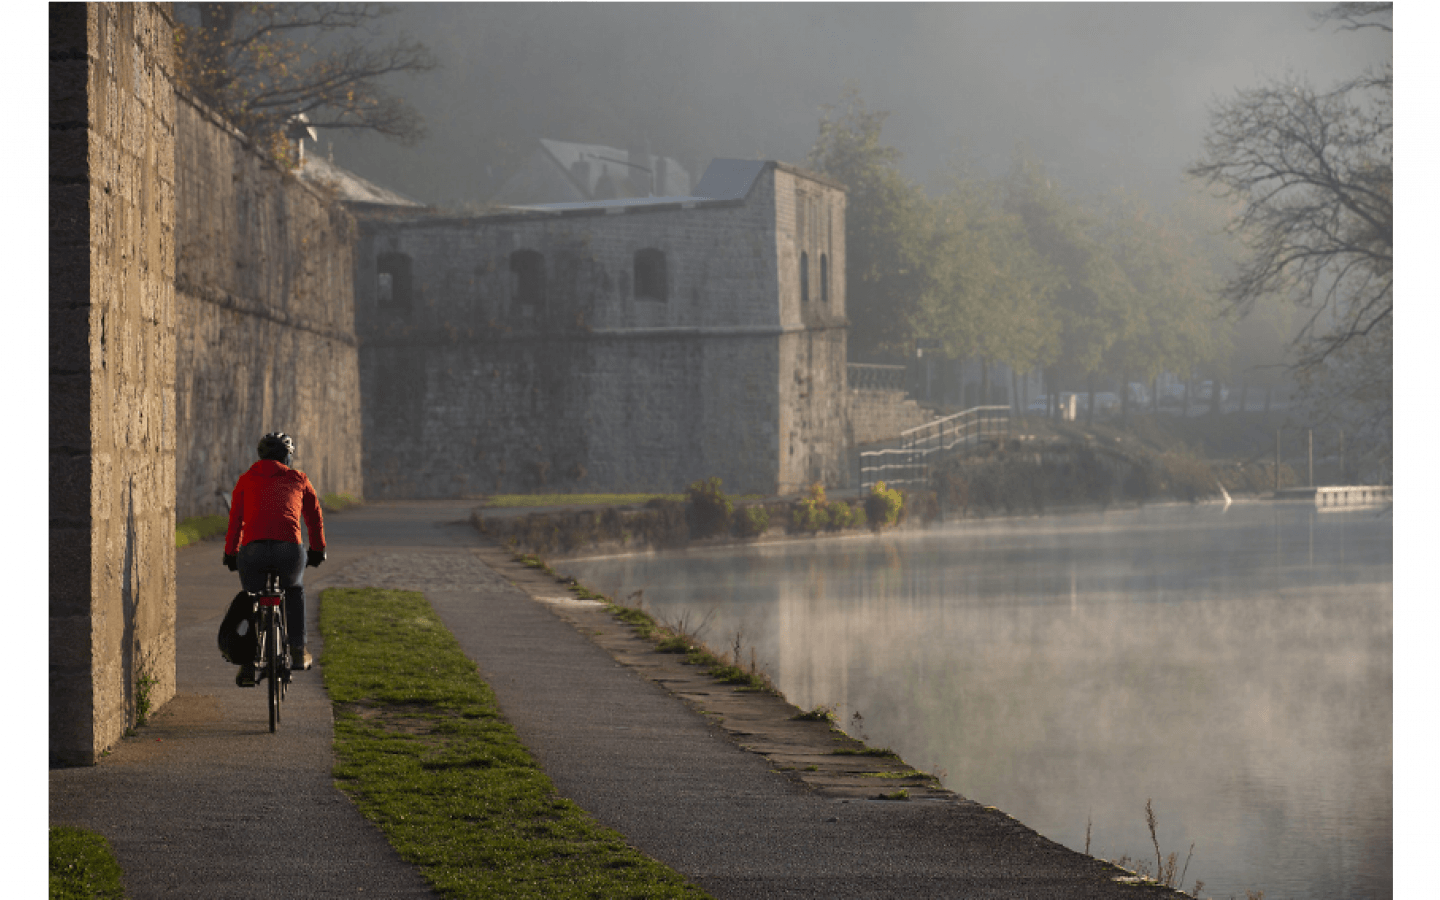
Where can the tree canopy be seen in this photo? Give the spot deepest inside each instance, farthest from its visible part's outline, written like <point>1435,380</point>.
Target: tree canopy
<point>1312,172</point>
<point>270,67</point>
<point>1018,271</point>
<point>885,228</point>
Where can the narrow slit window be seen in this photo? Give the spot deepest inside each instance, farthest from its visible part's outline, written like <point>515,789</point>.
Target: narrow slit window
<point>527,281</point>
<point>392,280</point>
<point>651,279</point>
<point>824,279</point>
<point>804,277</point>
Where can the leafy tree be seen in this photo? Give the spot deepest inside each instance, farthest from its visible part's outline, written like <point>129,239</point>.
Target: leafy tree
<point>1093,297</point>
<point>268,67</point>
<point>886,236</point>
<point>988,292</point>
<point>1312,170</point>
<point>1171,316</point>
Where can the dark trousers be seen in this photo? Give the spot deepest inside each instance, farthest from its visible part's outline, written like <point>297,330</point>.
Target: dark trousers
<point>258,559</point>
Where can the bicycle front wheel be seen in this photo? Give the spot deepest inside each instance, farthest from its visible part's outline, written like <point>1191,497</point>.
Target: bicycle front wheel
<point>272,669</point>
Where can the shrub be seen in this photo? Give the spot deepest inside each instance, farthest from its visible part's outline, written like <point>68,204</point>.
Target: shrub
<point>809,512</point>
<point>858,518</point>
<point>840,515</point>
<point>752,521</point>
<point>883,506</point>
<point>921,505</point>
<point>662,524</point>
<point>707,510</point>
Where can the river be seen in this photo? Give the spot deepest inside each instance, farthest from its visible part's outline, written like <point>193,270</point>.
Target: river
<point>1230,666</point>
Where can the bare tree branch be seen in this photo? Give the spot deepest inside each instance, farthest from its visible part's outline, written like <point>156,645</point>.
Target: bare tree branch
<point>1313,171</point>
<point>261,65</point>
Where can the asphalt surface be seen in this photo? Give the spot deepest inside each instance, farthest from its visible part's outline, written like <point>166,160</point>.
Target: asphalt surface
<point>207,803</point>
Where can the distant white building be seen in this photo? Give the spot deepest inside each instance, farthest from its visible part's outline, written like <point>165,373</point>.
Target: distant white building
<point>561,172</point>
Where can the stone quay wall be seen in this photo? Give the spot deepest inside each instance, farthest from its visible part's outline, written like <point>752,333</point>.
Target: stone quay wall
<point>265,324</point>
<point>112,317</point>
<point>535,351</point>
<point>879,415</point>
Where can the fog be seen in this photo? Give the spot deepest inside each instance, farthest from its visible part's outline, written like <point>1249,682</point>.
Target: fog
<point>1106,95</point>
<point>1232,665</point>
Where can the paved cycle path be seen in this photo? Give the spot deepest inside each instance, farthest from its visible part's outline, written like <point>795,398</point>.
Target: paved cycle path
<point>206,802</point>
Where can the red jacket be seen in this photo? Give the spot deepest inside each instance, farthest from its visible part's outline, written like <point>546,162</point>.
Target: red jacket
<point>268,503</point>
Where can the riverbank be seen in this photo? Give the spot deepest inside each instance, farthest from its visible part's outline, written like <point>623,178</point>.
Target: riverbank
<point>181,801</point>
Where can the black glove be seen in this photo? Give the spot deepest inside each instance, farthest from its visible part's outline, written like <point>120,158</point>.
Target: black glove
<point>230,562</point>
<point>314,557</point>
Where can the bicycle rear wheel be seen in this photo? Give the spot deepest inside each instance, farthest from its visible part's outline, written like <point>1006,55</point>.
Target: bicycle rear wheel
<point>272,669</point>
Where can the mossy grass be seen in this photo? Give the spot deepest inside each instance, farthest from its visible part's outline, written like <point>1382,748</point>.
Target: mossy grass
<point>199,528</point>
<point>337,502</point>
<point>522,501</point>
<point>82,866</point>
<point>673,638</point>
<point>882,752</point>
<point>421,747</point>
<point>820,713</point>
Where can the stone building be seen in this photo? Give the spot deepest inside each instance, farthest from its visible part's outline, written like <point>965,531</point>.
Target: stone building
<point>629,344</point>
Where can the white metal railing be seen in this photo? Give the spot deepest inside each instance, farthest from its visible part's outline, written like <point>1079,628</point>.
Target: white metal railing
<point>926,445</point>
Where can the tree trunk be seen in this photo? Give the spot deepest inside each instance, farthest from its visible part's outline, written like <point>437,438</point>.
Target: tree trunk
<point>984,382</point>
<point>1090,399</point>
<point>1215,397</point>
<point>1125,398</point>
<point>1244,393</point>
<point>1265,416</point>
<point>1155,396</point>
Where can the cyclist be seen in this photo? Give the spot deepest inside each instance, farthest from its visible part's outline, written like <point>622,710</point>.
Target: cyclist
<point>266,508</point>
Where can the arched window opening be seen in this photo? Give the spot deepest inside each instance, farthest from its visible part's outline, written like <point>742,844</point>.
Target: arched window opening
<point>804,277</point>
<point>651,279</point>
<point>392,281</point>
<point>527,281</point>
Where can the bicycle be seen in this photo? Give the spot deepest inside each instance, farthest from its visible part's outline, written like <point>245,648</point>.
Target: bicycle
<point>272,654</point>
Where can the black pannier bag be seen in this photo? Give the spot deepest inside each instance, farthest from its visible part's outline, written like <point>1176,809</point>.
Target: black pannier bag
<point>237,631</point>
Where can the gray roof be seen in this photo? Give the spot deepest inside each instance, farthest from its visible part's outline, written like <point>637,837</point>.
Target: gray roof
<point>729,179</point>
<point>724,179</point>
<point>351,187</point>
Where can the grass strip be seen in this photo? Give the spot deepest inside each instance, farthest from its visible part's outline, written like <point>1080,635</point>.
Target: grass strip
<point>199,528</point>
<point>519,501</point>
<point>82,866</point>
<point>337,502</point>
<point>421,747</point>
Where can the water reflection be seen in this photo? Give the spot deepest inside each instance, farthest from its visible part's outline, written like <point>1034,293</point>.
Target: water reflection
<point>1232,666</point>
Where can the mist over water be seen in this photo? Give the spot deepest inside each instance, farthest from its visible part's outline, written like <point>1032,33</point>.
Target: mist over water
<point>1232,666</point>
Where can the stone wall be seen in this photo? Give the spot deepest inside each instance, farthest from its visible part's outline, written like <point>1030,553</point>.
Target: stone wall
<point>112,369</point>
<point>266,326</point>
<point>877,415</point>
<point>531,351</point>
<point>810,239</point>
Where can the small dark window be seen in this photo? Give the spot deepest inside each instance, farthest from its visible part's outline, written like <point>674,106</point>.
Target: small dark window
<point>392,280</point>
<point>804,277</point>
<point>651,282</point>
<point>824,279</point>
<point>527,280</point>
